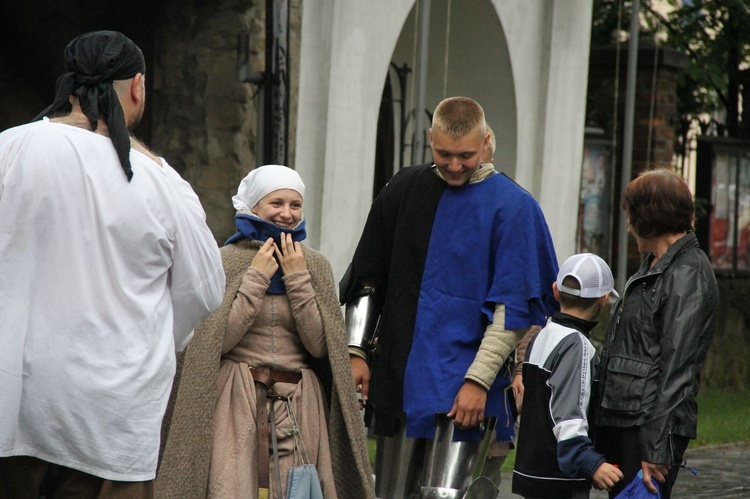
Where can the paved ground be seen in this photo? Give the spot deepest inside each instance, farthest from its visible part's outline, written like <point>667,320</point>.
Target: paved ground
<point>723,471</point>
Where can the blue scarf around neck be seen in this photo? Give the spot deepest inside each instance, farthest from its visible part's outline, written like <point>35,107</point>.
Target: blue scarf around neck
<point>254,229</point>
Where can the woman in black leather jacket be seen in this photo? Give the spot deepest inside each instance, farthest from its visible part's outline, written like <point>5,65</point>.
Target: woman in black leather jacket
<point>658,337</point>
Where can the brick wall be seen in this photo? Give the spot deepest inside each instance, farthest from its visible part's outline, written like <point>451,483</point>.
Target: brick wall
<point>655,100</point>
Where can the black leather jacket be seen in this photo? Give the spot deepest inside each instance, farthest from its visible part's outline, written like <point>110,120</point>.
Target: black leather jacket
<point>656,344</point>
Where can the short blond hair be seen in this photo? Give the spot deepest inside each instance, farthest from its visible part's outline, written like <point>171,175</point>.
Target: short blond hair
<point>458,117</point>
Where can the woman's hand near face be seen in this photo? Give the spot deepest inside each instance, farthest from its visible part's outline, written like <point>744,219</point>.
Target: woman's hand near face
<point>290,255</point>
<point>264,260</point>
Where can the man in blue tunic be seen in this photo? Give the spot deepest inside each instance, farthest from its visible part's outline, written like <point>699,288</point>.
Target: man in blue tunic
<point>455,261</point>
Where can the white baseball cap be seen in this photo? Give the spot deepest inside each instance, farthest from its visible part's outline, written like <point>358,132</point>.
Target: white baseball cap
<point>591,272</point>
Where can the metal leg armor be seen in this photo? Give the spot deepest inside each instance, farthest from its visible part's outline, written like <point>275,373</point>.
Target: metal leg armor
<point>395,466</point>
<point>451,467</point>
<point>448,471</point>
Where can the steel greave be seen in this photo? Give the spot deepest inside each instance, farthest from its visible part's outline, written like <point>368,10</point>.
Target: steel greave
<point>451,467</point>
<point>394,466</point>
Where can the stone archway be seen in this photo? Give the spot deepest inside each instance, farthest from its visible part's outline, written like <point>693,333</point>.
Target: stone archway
<point>468,56</point>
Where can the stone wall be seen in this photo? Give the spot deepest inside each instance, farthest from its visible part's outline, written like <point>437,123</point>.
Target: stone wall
<point>199,116</point>
<point>655,99</point>
<point>207,119</point>
<point>18,103</point>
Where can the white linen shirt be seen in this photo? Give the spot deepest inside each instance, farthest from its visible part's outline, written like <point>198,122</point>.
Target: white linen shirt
<point>101,281</point>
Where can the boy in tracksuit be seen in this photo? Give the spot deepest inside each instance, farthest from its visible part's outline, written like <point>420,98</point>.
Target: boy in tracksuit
<point>555,456</point>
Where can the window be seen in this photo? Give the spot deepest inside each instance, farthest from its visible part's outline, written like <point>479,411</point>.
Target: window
<point>728,234</point>
<point>595,208</point>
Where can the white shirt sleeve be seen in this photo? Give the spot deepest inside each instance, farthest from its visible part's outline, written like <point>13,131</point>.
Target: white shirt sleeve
<point>197,276</point>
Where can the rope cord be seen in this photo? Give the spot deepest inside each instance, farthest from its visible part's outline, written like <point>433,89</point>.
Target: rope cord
<point>617,85</point>
<point>415,44</point>
<point>412,87</point>
<point>653,104</point>
<point>299,445</point>
<point>447,43</point>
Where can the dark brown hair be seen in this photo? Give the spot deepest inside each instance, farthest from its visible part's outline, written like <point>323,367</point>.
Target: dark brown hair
<point>659,202</point>
<point>572,301</point>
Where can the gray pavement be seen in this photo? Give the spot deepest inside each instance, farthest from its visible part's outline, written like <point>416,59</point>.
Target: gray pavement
<point>722,472</point>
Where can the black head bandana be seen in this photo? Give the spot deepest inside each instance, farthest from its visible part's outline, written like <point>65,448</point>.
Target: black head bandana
<point>93,61</point>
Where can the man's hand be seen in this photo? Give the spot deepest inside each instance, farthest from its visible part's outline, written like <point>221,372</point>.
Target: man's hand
<point>657,471</point>
<point>361,374</point>
<point>517,387</point>
<point>468,407</point>
<point>606,476</point>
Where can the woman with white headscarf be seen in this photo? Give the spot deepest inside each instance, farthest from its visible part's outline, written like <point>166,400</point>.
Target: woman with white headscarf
<point>283,352</point>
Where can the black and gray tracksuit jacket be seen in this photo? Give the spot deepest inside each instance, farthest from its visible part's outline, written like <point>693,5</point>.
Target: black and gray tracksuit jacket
<point>555,454</point>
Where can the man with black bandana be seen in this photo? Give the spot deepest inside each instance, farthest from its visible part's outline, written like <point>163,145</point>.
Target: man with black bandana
<point>107,266</point>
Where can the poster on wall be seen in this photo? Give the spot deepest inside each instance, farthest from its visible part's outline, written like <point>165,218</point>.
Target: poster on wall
<point>743,215</point>
<point>730,214</point>
<point>595,203</point>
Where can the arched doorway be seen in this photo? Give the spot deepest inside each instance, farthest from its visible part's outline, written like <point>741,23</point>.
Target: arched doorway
<point>467,55</point>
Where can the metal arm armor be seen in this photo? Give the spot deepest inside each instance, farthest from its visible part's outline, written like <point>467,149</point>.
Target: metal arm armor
<point>362,318</point>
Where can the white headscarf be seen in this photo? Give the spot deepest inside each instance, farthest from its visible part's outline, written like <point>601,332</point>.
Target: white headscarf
<point>263,181</point>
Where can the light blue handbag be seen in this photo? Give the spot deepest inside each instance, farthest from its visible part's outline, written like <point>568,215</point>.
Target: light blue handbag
<point>303,481</point>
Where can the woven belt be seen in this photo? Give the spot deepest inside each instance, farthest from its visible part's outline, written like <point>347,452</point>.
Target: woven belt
<point>264,379</point>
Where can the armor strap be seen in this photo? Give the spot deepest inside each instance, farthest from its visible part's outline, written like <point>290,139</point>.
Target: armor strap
<point>261,392</point>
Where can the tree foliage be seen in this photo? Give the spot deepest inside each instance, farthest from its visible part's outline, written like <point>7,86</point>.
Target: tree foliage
<point>715,34</point>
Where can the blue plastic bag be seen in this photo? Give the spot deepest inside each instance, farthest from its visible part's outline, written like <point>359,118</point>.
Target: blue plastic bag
<point>638,490</point>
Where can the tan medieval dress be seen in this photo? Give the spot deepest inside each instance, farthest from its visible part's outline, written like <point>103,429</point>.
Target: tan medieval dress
<point>280,332</point>
<point>300,331</point>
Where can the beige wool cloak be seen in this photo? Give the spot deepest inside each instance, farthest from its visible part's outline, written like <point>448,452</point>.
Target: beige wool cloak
<point>186,433</point>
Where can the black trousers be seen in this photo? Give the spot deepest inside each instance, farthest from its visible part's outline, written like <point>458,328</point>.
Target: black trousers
<point>621,446</point>
<point>25,477</point>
